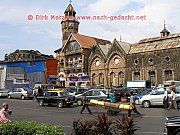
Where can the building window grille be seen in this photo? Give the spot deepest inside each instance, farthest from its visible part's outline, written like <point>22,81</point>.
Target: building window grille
<point>151,60</point>
<point>167,58</point>
<point>136,61</point>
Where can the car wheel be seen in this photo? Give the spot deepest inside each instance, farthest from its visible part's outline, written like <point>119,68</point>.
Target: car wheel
<point>9,96</point>
<point>60,104</point>
<point>22,97</point>
<point>41,103</point>
<point>146,104</point>
<point>79,102</point>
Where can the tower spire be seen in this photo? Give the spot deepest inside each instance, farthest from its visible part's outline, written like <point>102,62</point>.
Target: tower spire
<point>164,32</point>
<point>70,23</point>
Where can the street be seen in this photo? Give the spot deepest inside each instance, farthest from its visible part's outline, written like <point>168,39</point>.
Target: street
<point>152,123</point>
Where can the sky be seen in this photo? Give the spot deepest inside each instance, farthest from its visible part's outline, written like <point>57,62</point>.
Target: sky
<point>18,31</point>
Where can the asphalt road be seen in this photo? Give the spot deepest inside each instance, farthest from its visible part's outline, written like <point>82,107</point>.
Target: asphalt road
<point>152,123</point>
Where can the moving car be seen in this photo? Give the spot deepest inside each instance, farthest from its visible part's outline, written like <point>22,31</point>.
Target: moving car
<point>56,97</point>
<point>91,94</point>
<point>21,93</point>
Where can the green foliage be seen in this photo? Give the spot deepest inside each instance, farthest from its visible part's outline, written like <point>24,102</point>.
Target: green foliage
<point>125,125</point>
<point>102,125</point>
<point>29,128</point>
<point>82,128</point>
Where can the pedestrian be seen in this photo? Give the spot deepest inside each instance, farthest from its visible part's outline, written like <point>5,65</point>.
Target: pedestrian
<point>132,103</point>
<point>173,98</point>
<point>5,113</point>
<point>34,95</point>
<point>166,99</point>
<point>85,104</point>
<point>40,92</point>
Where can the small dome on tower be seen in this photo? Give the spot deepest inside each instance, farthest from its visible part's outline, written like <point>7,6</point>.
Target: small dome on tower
<point>164,32</point>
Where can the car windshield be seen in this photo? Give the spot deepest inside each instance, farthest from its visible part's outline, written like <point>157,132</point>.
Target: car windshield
<point>64,93</point>
<point>27,89</point>
<point>146,92</point>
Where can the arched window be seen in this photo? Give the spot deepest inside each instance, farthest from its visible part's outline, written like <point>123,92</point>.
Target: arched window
<point>62,63</point>
<point>120,78</point>
<point>152,77</point>
<point>168,75</point>
<point>136,75</point>
<point>112,79</point>
<point>93,79</point>
<point>101,79</point>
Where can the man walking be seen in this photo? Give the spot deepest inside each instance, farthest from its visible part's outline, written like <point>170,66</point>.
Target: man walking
<point>166,99</point>
<point>85,104</point>
<point>173,99</point>
<point>132,103</point>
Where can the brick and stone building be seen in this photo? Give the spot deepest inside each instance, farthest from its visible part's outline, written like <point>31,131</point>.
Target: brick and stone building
<point>105,63</point>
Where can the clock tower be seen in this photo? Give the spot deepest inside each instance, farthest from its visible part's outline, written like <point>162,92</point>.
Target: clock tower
<point>69,24</point>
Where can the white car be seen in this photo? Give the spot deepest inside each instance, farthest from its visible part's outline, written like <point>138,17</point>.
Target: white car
<point>156,98</point>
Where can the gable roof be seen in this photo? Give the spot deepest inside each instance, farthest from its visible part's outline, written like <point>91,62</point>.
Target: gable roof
<point>156,43</point>
<point>125,46</point>
<point>88,42</point>
<point>105,48</point>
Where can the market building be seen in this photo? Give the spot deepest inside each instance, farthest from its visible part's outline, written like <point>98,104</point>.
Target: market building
<point>112,64</point>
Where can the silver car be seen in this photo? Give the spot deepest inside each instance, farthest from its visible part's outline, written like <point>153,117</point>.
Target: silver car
<point>21,93</point>
<point>156,98</point>
<point>91,94</point>
<point>3,93</point>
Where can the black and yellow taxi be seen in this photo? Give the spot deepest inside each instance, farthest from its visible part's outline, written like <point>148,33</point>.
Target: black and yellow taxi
<point>57,97</point>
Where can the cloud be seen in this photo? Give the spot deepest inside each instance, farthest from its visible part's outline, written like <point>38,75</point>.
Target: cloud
<point>47,34</point>
<point>133,31</point>
<point>5,48</point>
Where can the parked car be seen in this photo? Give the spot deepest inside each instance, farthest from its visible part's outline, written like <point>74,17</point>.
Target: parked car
<point>172,125</point>
<point>76,90</point>
<point>21,93</point>
<point>91,94</point>
<point>56,97</point>
<point>156,98</point>
<point>137,97</point>
<point>3,93</point>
